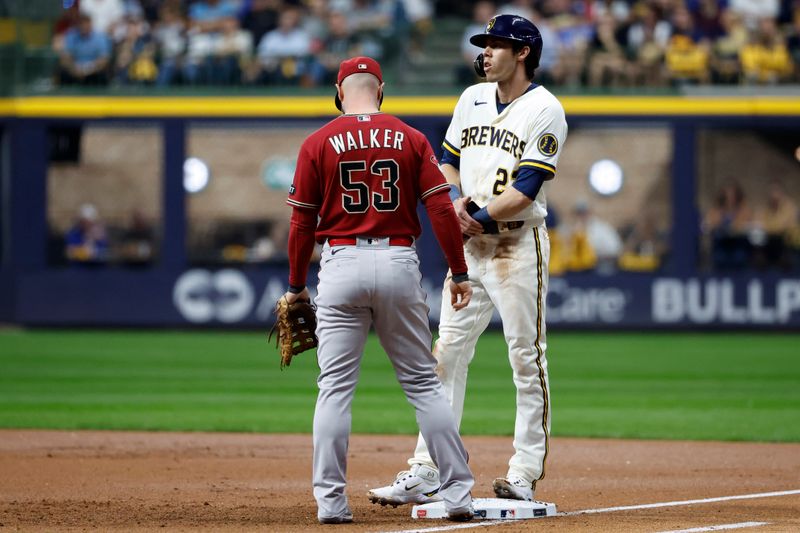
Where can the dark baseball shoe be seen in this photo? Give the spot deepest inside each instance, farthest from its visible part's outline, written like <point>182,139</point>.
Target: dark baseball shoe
<point>513,488</point>
<point>346,518</point>
<point>418,485</point>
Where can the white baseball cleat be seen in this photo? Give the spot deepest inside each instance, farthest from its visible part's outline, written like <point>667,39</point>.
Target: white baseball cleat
<point>513,488</point>
<point>418,485</point>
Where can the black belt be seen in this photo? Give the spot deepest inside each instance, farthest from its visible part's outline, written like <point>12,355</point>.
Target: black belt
<point>507,226</point>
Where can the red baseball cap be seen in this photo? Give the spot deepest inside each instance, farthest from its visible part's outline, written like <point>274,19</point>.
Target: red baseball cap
<point>357,65</point>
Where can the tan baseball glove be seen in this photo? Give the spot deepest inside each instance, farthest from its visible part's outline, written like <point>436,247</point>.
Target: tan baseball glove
<point>295,325</point>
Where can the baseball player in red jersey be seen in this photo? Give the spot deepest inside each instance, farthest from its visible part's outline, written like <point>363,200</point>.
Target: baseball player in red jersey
<point>355,189</point>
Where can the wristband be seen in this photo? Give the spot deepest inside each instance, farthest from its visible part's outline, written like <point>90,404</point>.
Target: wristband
<point>482,215</point>
<point>455,193</point>
<point>460,278</point>
<point>296,289</point>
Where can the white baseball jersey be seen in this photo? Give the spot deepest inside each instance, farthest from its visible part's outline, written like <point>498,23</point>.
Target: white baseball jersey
<point>493,147</point>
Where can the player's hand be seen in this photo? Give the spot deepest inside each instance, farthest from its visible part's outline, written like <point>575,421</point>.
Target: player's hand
<point>460,294</point>
<point>292,297</point>
<point>469,226</point>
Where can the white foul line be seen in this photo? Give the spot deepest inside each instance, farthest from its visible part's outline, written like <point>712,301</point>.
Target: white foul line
<point>611,510</point>
<point>718,528</point>
<point>487,523</point>
<point>684,502</point>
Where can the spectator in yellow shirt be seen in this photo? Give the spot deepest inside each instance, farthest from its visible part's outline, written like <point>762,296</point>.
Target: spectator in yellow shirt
<point>766,58</point>
<point>779,221</point>
<point>687,54</point>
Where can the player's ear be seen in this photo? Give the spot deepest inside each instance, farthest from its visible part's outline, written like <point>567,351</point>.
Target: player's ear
<point>524,52</point>
<point>337,99</point>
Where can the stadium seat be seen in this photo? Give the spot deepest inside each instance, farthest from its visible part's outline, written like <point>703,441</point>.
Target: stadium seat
<point>8,31</point>
<point>35,33</point>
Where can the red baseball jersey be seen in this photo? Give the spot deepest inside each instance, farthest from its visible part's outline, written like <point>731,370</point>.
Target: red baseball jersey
<point>365,174</point>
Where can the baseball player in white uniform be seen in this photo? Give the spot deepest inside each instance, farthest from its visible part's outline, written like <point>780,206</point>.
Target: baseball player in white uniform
<point>499,153</point>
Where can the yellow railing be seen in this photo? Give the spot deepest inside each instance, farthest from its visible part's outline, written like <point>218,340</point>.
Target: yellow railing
<point>319,106</point>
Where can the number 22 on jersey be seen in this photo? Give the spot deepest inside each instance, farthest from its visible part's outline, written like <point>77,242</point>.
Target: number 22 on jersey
<point>502,180</point>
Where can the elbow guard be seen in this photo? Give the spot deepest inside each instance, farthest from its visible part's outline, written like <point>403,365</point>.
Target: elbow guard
<point>529,181</point>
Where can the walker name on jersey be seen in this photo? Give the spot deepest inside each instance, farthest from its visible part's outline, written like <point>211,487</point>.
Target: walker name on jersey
<point>490,136</point>
<point>363,140</point>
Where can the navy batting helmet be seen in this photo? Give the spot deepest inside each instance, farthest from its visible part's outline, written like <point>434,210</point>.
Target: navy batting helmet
<point>512,28</point>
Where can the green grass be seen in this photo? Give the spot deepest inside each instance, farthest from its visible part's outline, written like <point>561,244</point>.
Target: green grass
<point>644,385</point>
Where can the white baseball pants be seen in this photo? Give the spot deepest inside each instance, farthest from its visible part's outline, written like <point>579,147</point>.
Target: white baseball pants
<point>378,285</point>
<point>509,273</point>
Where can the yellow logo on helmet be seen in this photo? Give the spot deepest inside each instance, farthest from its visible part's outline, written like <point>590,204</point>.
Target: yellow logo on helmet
<point>490,24</point>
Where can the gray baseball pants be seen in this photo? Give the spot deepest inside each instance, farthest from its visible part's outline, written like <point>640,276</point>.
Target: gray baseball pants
<point>375,284</point>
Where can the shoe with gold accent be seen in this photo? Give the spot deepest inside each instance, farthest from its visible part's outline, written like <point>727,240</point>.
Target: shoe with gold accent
<point>513,488</point>
<point>418,485</point>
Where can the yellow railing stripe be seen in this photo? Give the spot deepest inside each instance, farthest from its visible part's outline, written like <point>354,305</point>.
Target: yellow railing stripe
<point>681,105</point>
<point>322,106</point>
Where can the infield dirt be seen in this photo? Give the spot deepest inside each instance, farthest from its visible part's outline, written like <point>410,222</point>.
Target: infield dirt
<point>137,481</point>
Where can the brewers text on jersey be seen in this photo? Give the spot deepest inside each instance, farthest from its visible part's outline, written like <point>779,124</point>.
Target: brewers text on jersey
<point>490,136</point>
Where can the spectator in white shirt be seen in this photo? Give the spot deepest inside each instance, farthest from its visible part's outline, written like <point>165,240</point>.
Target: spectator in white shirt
<point>207,21</point>
<point>105,14</point>
<point>283,53</point>
<point>752,11</point>
<point>170,37</point>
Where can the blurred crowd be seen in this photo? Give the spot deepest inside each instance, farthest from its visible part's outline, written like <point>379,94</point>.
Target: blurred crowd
<point>632,43</point>
<point>736,234</point>
<point>90,241</point>
<point>596,43</point>
<point>225,42</point>
<point>582,241</point>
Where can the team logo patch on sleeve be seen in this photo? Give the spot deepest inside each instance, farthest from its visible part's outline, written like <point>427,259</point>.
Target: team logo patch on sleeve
<point>292,189</point>
<point>434,160</point>
<point>548,144</point>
